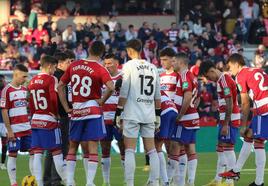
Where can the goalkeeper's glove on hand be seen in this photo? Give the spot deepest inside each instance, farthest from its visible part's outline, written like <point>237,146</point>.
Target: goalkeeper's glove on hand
<point>117,117</point>
<point>157,118</point>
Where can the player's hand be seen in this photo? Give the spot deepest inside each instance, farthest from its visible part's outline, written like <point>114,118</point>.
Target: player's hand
<point>10,136</point>
<point>224,130</point>
<point>157,122</point>
<point>245,132</point>
<point>178,118</point>
<point>99,101</point>
<point>117,117</point>
<point>69,110</point>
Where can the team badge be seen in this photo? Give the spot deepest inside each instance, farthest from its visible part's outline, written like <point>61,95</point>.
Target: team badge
<point>185,85</point>
<point>239,87</point>
<point>226,91</point>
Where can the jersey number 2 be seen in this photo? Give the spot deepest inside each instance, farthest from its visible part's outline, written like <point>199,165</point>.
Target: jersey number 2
<point>258,75</point>
<point>40,102</point>
<point>85,89</point>
<point>149,81</point>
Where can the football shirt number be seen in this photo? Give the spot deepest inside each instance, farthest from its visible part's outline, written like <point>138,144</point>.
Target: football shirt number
<point>258,76</point>
<point>149,84</point>
<point>194,97</point>
<point>85,82</point>
<point>40,102</point>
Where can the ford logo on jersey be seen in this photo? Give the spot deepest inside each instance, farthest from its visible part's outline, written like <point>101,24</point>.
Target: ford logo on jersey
<point>20,103</point>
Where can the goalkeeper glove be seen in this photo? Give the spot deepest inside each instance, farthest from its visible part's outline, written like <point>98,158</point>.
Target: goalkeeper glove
<point>117,117</point>
<point>158,118</point>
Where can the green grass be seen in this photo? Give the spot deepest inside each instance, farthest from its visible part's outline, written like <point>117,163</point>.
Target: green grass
<point>205,171</point>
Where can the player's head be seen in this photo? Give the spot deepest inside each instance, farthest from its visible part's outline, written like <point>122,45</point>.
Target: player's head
<point>208,70</point>
<point>2,81</point>
<point>134,47</point>
<point>63,61</point>
<point>20,74</point>
<point>111,62</point>
<point>180,61</point>
<point>97,49</point>
<point>235,62</point>
<point>166,58</point>
<point>48,64</point>
<point>70,54</point>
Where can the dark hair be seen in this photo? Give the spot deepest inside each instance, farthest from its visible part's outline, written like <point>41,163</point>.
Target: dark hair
<point>167,52</point>
<point>130,26</point>
<point>21,68</point>
<point>2,76</point>
<point>48,60</point>
<point>182,56</point>
<point>134,44</point>
<point>60,56</point>
<point>109,56</point>
<point>236,58</point>
<point>70,54</point>
<point>205,66</point>
<point>97,48</point>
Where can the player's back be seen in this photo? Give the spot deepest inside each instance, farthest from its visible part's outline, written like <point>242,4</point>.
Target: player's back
<point>43,101</point>
<point>254,81</point>
<point>167,104</point>
<point>144,88</point>
<point>168,83</point>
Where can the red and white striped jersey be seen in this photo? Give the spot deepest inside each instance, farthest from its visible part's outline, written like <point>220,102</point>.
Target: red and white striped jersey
<point>187,82</point>
<point>15,100</point>
<point>173,34</point>
<point>87,78</point>
<point>167,104</point>
<point>43,101</point>
<point>226,88</point>
<point>168,83</point>
<point>110,105</point>
<point>254,81</point>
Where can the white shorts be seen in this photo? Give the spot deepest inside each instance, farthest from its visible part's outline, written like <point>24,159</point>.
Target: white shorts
<point>3,130</point>
<point>131,129</point>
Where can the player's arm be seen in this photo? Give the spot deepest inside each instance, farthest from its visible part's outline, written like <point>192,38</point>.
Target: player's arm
<point>54,97</point>
<point>187,98</point>
<point>108,92</point>
<point>63,97</point>
<point>245,108</point>
<point>228,110</point>
<point>5,116</point>
<point>157,101</point>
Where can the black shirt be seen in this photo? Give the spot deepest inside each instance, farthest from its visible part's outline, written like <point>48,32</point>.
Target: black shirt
<point>58,74</point>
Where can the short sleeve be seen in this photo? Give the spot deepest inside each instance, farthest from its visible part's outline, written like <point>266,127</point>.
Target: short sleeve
<point>105,76</point>
<point>4,101</point>
<point>187,82</point>
<point>241,84</point>
<point>226,85</point>
<point>125,81</point>
<point>66,76</point>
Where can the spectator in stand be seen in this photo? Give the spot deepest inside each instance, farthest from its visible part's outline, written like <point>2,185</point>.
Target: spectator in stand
<point>27,50</point>
<point>131,33</point>
<point>123,58</point>
<point>112,41</point>
<point>47,25</point>
<point>152,43</point>
<point>221,50</point>
<point>145,51</point>
<point>120,35</point>
<point>205,103</point>
<point>196,12</point>
<point>173,32</point>
<point>230,11</point>
<point>77,11</point>
<point>152,58</point>
<point>39,34</point>
<point>114,10</point>
<point>216,39</point>
<point>155,9</point>
<point>217,26</point>
<point>112,22</point>
<point>80,32</point>
<point>170,44</point>
<point>211,12</point>
<point>54,32</point>
<point>144,32</point>
<point>80,52</point>
<point>204,42</point>
<point>195,68</point>
<point>159,36</point>
<point>198,27</point>
<point>257,31</point>
<point>240,29</point>
<point>213,57</point>
<point>184,32</point>
<point>187,21</point>
<point>62,11</point>
<point>184,47</point>
<point>196,53</point>
<point>69,36</point>
<point>250,11</point>
<point>33,21</point>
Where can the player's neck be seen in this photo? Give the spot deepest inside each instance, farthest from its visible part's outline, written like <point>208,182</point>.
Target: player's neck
<point>44,71</point>
<point>135,56</point>
<point>219,74</point>
<point>94,58</point>
<point>15,84</point>
<point>169,71</point>
<point>114,73</point>
<point>182,69</point>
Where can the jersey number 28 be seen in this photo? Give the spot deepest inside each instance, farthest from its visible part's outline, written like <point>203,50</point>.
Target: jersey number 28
<point>85,82</point>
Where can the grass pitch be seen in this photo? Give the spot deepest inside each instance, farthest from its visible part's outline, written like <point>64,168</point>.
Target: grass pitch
<point>205,171</point>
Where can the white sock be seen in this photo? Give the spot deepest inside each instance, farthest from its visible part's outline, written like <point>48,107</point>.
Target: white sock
<point>11,169</point>
<point>154,165</point>
<point>92,168</point>
<point>85,163</point>
<point>221,165</point>
<point>70,171</point>
<point>60,166</point>
<point>243,156</point>
<point>37,168</point>
<point>192,165</point>
<point>31,159</point>
<point>260,160</point>
<point>230,162</point>
<point>106,166</point>
<point>180,173</point>
<point>130,165</point>
<point>171,167</point>
<point>163,166</point>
